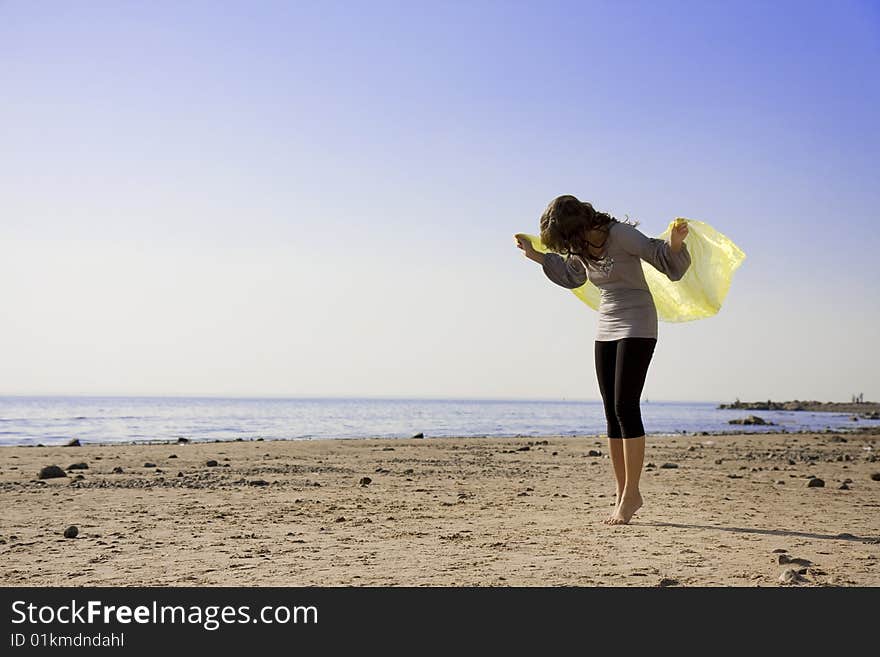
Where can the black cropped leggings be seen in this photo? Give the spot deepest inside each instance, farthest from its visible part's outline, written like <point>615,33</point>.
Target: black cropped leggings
<point>621,367</point>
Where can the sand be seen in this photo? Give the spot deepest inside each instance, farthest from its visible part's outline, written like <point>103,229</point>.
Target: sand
<point>442,512</point>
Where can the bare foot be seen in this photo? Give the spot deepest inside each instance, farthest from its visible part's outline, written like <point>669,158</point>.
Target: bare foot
<point>608,520</point>
<point>626,510</point>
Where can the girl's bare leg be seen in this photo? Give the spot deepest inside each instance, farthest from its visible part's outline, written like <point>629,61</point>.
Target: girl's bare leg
<point>615,448</point>
<point>631,500</point>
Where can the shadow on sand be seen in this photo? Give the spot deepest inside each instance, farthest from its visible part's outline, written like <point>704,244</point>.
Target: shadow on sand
<point>769,532</point>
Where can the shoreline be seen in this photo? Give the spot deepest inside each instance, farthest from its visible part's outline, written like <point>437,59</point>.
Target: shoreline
<point>442,512</point>
<point>844,431</point>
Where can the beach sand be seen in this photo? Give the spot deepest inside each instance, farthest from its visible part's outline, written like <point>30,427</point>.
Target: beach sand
<point>442,512</point>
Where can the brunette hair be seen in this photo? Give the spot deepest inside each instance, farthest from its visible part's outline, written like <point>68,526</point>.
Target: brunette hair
<point>566,221</point>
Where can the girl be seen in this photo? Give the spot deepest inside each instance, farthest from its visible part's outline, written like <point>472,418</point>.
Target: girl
<point>608,253</point>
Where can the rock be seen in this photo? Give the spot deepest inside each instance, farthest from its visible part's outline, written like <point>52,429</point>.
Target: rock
<point>691,448</point>
<point>779,551</point>
<point>78,466</point>
<point>149,465</point>
<point>179,474</point>
<point>667,581</point>
<point>669,466</point>
<point>594,452</point>
<point>212,463</point>
<point>843,486</point>
<point>172,456</point>
<point>182,441</point>
<point>816,483</point>
<point>340,519</point>
<point>258,482</point>
<point>875,476</point>
<point>74,442</point>
<point>783,559</point>
<point>419,435</point>
<point>524,448</point>
<point>650,465</point>
<point>365,481</point>
<point>751,419</point>
<point>51,472</point>
<point>117,470</point>
<point>854,418</point>
<point>71,532</point>
<point>791,576</point>
<point>846,536</point>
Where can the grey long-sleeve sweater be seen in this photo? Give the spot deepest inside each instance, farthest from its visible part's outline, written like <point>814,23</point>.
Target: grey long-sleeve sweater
<point>626,307</point>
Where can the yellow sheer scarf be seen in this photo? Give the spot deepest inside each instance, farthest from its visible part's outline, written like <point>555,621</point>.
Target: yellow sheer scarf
<point>700,292</point>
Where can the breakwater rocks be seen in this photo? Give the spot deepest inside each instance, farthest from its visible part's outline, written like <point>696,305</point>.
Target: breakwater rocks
<point>866,410</point>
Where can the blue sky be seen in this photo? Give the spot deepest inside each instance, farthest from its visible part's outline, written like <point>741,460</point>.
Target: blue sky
<point>319,198</point>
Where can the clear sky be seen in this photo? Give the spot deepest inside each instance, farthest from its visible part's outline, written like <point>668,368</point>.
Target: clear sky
<point>319,198</point>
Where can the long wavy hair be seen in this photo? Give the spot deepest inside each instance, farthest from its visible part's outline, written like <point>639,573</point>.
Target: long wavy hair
<point>565,223</point>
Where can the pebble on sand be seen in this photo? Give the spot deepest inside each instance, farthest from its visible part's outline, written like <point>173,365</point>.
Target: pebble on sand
<point>73,443</point>
<point>594,452</point>
<point>148,464</point>
<point>117,470</point>
<point>365,481</point>
<point>211,464</point>
<point>78,466</point>
<point>791,576</point>
<point>816,483</point>
<point>669,466</point>
<point>875,476</point>
<point>51,472</point>
<point>71,532</point>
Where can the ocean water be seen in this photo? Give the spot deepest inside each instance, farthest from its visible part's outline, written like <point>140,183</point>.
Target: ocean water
<point>55,420</point>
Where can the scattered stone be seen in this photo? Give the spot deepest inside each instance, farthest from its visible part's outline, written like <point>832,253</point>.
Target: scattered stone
<point>419,435</point>
<point>843,486</point>
<point>875,476</point>
<point>78,466</point>
<point>667,581</point>
<point>816,483</point>
<point>751,419</point>
<point>791,576</point>
<point>149,465</point>
<point>554,453</point>
<point>179,474</point>
<point>734,476</point>
<point>669,466</point>
<point>691,448</point>
<point>780,551</point>
<point>650,465</point>
<point>340,519</point>
<point>258,482</point>
<point>365,481</point>
<point>73,443</point>
<point>51,472</point>
<point>117,470</point>
<point>172,456</point>
<point>524,448</point>
<point>212,463</point>
<point>182,441</point>
<point>71,532</point>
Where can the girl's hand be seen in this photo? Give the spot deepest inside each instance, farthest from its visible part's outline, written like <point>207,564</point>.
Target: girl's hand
<point>525,244</point>
<point>679,232</point>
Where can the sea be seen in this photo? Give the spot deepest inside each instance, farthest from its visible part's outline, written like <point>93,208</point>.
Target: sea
<point>57,420</point>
